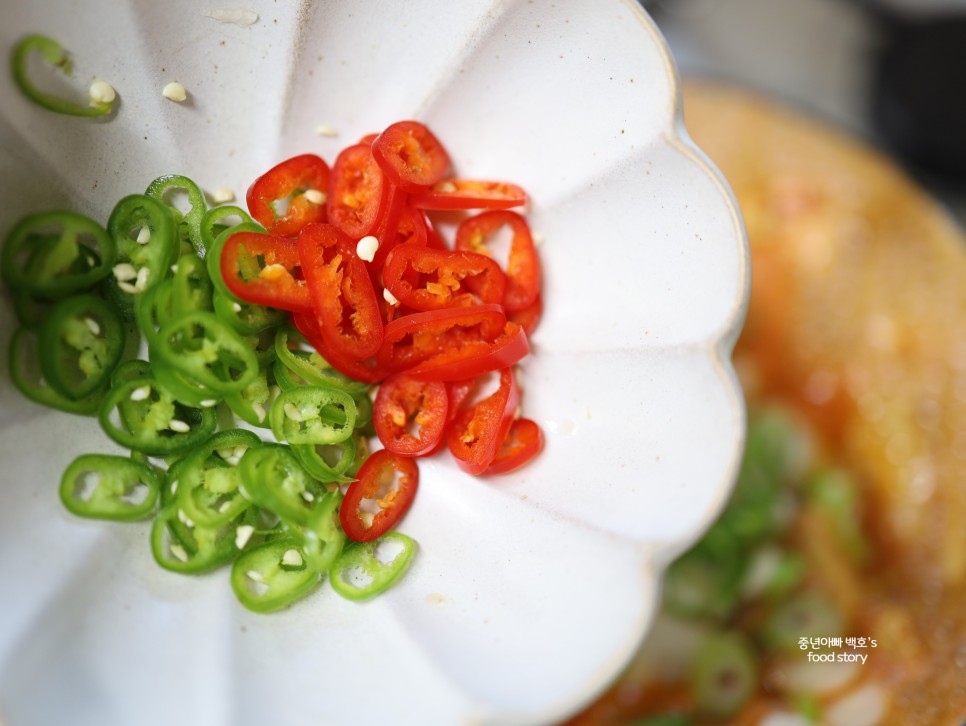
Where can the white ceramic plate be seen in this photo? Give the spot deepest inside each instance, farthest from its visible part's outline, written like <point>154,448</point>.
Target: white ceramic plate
<point>528,592</point>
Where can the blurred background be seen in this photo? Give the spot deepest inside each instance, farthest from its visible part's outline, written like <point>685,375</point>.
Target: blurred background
<point>830,590</point>
<point>892,72</point>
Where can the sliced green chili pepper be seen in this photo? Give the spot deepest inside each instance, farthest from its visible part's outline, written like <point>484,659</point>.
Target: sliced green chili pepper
<point>724,675</point>
<point>273,478</point>
<point>272,576</point>
<point>188,223</point>
<point>130,369</point>
<point>101,486</point>
<point>327,462</point>
<point>246,318</point>
<point>151,421</point>
<point>303,360</point>
<point>212,225</point>
<point>187,548</point>
<point>322,539</point>
<point>208,481</point>
<point>152,310</point>
<point>24,372</point>
<point>55,54</point>
<point>313,415</point>
<point>172,478</point>
<point>190,287</point>
<point>251,404</point>
<point>184,390</point>
<point>263,343</point>
<point>208,352</point>
<point>144,235</point>
<point>29,309</point>
<point>53,254</point>
<point>81,342</point>
<point>364,423</point>
<point>360,573</point>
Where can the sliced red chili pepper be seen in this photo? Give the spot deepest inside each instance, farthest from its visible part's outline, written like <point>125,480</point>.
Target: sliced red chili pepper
<point>523,441</point>
<point>341,292</point>
<point>529,317</point>
<point>470,194</point>
<point>458,392</point>
<point>410,155</point>
<point>475,435</point>
<point>413,228</point>
<point>411,339</point>
<point>303,181</point>
<point>427,279</point>
<point>368,139</point>
<point>387,227</point>
<point>523,266</point>
<point>265,269</point>
<point>366,371</point>
<point>408,227</point>
<point>410,415</point>
<point>465,358</point>
<point>379,497</point>
<point>357,191</point>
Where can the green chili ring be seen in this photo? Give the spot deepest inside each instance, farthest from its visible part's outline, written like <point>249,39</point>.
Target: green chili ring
<point>191,550</point>
<point>81,343</point>
<point>52,266</point>
<point>144,235</point>
<point>273,478</point>
<point>308,365</point>
<point>313,415</point>
<point>23,357</point>
<point>272,576</point>
<point>191,287</point>
<point>151,421</point>
<point>208,352</point>
<point>208,488</point>
<point>189,225</point>
<point>211,229</point>
<point>125,490</point>
<point>55,54</point>
<point>358,573</point>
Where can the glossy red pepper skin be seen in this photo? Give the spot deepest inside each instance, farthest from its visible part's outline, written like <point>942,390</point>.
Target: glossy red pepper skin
<point>428,279</point>
<point>476,433</point>
<point>529,317</point>
<point>365,371</point>
<point>412,339</point>
<point>278,284</point>
<point>523,265</point>
<point>410,155</point>
<point>390,481</point>
<point>474,357</point>
<point>523,441</point>
<point>290,180</point>
<point>341,292</point>
<point>470,194</point>
<point>358,192</point>
<point>410,415</point>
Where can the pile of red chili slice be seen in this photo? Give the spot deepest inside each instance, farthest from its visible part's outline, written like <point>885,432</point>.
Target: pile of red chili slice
<point>357,260</point>
<point>353,257</point>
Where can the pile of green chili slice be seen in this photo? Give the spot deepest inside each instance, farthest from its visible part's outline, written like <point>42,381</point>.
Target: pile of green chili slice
<point>214,373</point>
